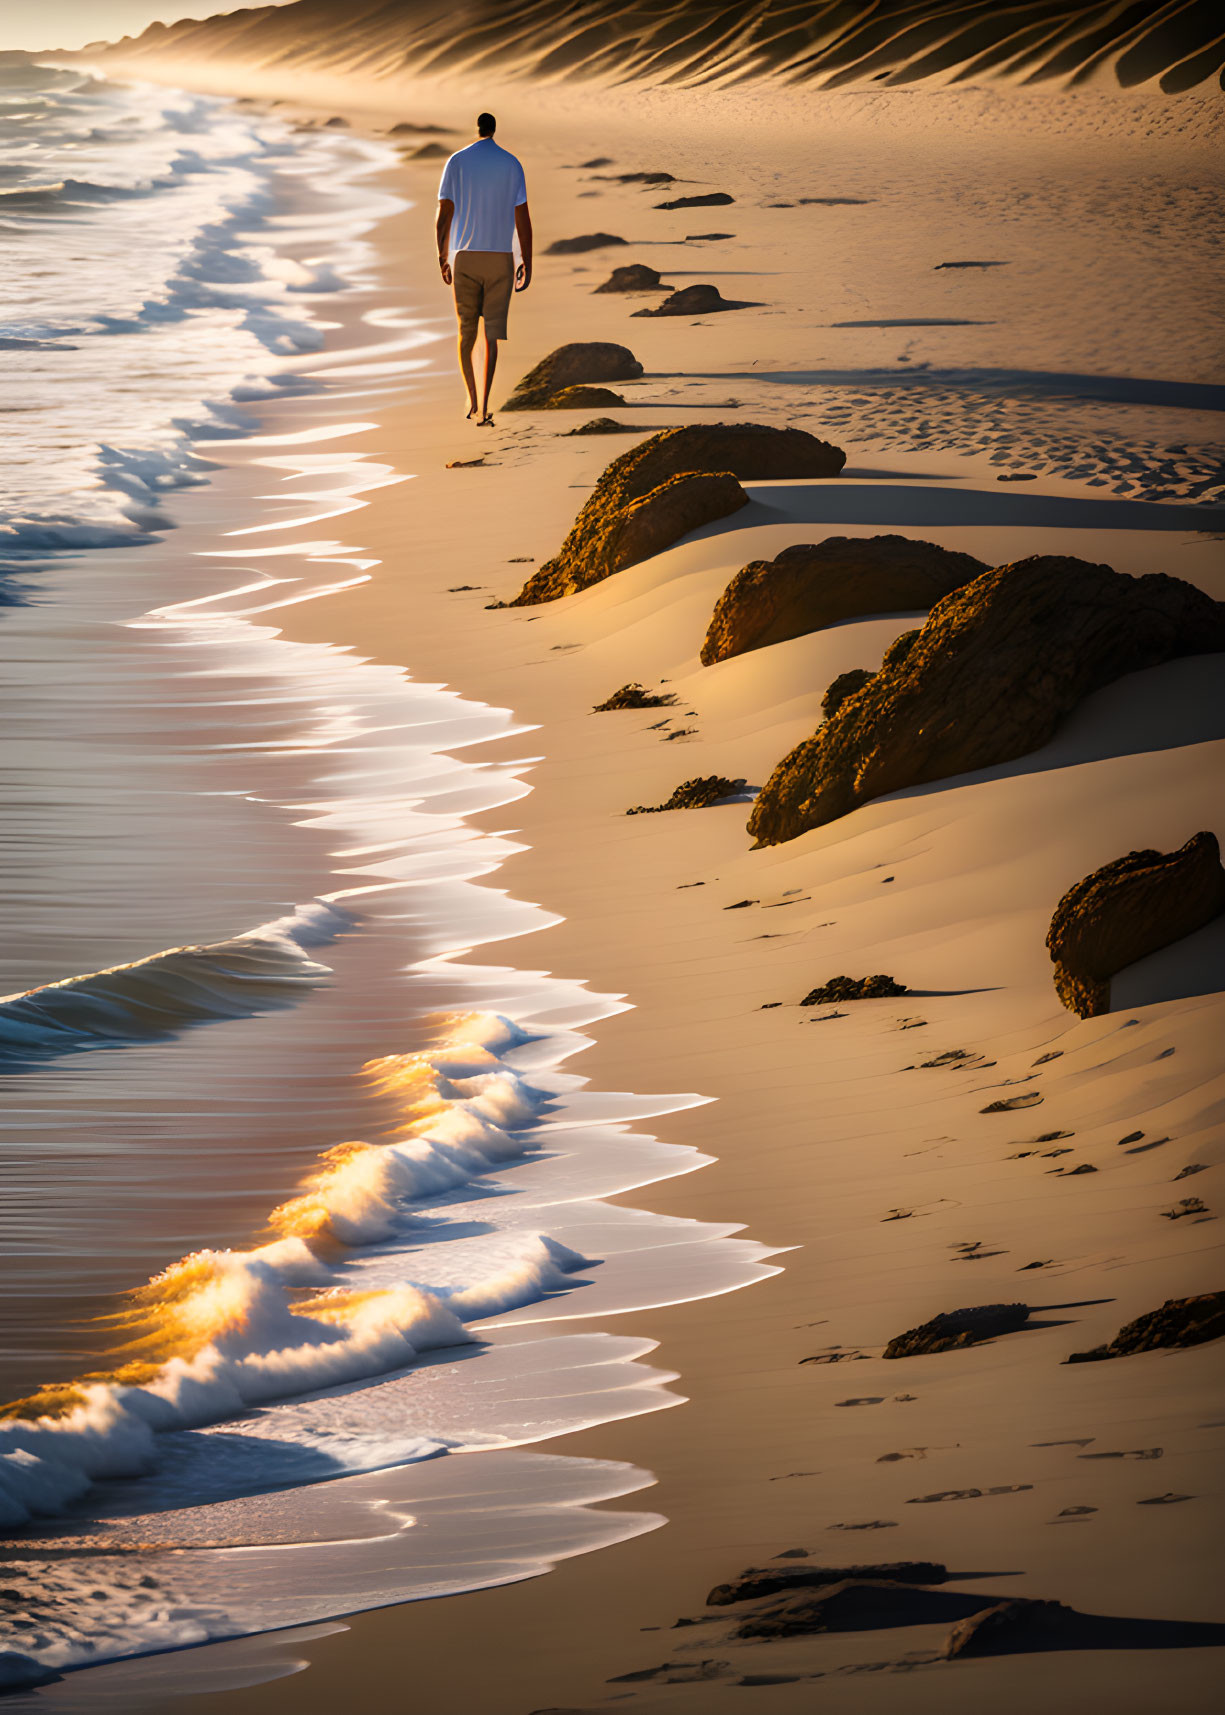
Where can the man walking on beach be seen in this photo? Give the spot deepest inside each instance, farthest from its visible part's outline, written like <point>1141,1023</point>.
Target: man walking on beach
<point>482,206</point>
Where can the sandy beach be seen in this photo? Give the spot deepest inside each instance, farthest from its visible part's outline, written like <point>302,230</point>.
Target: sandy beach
<point>1001,304</point>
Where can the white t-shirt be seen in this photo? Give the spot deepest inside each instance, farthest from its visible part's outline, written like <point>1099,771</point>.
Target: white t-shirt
<point>486,184</point>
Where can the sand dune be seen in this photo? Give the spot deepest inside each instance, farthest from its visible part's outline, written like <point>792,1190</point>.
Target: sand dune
<point>1177,45</point>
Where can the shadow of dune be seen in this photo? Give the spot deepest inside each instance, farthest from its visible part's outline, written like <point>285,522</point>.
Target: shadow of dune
<point>1187,968</point>
<point>1077,1631</point>
<point>833,502</point>
<point>1034,1626</point>
<point>917,322</point>
<point>1012,383</point>
<point>1169,707</point>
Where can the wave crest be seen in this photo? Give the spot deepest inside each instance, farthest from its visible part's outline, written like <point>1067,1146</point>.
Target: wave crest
<point>152,998</point>
<point>221,1331</point>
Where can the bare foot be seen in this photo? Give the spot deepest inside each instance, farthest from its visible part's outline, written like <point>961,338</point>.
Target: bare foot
<point>472,410</point>
<point>486,422</point>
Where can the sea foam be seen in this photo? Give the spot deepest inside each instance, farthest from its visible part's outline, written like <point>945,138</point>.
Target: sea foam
<point>221,1331</point>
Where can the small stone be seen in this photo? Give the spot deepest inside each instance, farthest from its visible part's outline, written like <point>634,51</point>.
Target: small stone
<point>713,199</point>
<point>1179,1323</point>
<point>696,794</point>
<point>587,241</point>
<point>853,988</point>
<point>953,1329</point>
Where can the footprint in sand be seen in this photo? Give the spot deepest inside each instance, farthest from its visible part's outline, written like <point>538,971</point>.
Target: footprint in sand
<point>869,1524</point>
<point>1184,1207</point>
<point>1010,1104</point>
<point>969,1494</point>
<point>1131,1453</point>
<point>906,1453</point>
<point>871,1399</point>
<point>1073,1515</point>
<point>1166,1500</point>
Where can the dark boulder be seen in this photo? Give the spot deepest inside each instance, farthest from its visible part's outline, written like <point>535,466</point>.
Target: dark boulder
<point>608,426</point>
<point>1020,1623</point>
<point>760,1581</point>
<point>683,503</point>
<point>811,586</point>
<point>998,665</point>
<point>858,1606</point>
<point>713,199</point>
<point>635,696</point>
<point>955,1328</point>
<point>844,686</point>
<point>1127,909</point>
<point>586,241</point>
<point>697,301</point>
<point>749,451</point>
<point>428,152</point>
<point>853,988</point>
<point>634,277</point>
<point>584,361</point>
<point>696,794</point>
<point>1179,1322</point>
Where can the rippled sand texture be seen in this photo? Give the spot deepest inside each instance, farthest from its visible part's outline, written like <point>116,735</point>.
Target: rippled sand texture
<point>679,41</point>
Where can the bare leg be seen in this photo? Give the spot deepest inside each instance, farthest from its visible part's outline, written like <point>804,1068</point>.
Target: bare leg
<point>491,364</point>
<point>466,342</point>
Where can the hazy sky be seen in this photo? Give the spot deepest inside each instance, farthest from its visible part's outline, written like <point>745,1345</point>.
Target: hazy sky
<point>71,23</point>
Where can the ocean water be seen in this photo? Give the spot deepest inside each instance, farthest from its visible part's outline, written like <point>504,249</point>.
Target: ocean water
<point>296,1208</point>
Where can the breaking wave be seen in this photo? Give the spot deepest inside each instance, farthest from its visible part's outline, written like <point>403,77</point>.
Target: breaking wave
<point>221,1331</point>
<point>154,997</point>
<point>192,213</point>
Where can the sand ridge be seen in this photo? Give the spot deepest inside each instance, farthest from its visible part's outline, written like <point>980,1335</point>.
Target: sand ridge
<point>1177,45</point>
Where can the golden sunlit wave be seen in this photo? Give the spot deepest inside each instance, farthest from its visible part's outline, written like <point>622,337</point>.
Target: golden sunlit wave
<point>275,1293</point>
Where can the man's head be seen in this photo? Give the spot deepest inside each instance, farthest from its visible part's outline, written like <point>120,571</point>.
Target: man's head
<point>486,124</point>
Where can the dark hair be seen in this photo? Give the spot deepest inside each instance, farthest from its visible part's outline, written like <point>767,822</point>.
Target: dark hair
<point>486,124</point>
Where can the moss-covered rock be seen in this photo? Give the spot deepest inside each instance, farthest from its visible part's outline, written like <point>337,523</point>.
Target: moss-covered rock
<point>1180,1322</point>
<point>751,452</point>
<point>999,663</point>
<point>955,1328</point>
<point>584,361</point>
<point>1128,909</point>
<point>814,585</point>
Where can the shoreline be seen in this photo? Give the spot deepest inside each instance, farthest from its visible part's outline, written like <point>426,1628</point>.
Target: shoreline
<point>698,991</point>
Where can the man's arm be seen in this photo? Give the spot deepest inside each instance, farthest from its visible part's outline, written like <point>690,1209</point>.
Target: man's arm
<point>523,227</point>
<point>442,231</point>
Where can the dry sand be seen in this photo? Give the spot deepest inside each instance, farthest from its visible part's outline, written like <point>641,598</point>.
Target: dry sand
<point>824,1127</point>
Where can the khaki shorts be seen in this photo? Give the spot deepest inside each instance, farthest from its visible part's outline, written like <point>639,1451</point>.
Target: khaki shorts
<point>484,280</point>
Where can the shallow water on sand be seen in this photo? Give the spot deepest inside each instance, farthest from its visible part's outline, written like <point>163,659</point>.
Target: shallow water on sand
<point>236,1059</point>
